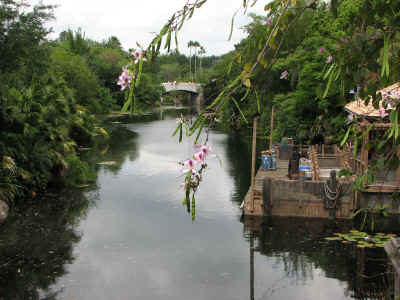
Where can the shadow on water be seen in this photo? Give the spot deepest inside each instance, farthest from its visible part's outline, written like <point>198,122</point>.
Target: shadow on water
<point>156,246</point>
<point>121,146</point>
<point>239,156</point>
<point>239,151</point>
<point>38,244</point>
<point>299,246</point>
<point>37,240</point>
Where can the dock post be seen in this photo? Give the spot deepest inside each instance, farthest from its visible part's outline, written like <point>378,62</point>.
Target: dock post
<point>253,162</point>
<point>271,127</point>
<point>252,266</point>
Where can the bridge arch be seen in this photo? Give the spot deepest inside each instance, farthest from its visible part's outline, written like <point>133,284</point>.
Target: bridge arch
<point>191,87</point>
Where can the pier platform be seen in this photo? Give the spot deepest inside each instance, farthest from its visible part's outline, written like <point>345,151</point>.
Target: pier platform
<point>276,195</point>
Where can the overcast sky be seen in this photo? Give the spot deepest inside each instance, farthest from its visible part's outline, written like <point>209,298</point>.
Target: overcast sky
<point>134,20</point>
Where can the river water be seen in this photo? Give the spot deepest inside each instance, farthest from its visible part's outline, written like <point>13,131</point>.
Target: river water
<point>129,237</point>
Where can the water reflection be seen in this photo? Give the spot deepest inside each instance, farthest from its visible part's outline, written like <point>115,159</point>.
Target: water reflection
<point>137,242</point>
<point>239,159</point>
<point>298,247</point>
<point>38,244</point>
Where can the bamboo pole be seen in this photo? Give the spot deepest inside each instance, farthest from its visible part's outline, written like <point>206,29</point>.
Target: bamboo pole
<point>252,266</point>
<point>364,152</point>
<point>253,162</point>
<point>271,127</point>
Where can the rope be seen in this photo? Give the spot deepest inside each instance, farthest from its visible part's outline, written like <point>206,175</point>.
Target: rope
<point>331,197</point>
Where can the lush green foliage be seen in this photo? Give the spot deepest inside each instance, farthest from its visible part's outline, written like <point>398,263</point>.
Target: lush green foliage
<point>331,54</point>
<point>44,110</point>
<point>306,58</point>
<point>303,57</point>
<point>49,91</point>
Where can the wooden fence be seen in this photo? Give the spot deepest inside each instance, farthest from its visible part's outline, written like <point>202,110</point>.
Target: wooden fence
<point>356,165</point>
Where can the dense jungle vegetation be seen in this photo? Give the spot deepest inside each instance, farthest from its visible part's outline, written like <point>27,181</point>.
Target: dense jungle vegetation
<point>50,92</point>
<point>307,58</point>
<point>350,33</point>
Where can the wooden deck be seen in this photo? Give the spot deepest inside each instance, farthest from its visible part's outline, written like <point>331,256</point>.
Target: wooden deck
<point>276,195</point>
<point>384,187</point>
<point>257,208</point>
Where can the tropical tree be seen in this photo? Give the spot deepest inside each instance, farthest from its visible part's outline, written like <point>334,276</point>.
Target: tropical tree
<point>190,46</point>
<point>41,122</point>
<point>76,42</point>
<point>351,46</point>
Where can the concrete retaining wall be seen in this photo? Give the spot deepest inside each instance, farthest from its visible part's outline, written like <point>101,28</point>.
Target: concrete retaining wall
<point>302,199</point>
<point>372,200</point>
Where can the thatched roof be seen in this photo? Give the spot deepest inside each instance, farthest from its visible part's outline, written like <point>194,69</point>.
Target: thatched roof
<point>359,108</point>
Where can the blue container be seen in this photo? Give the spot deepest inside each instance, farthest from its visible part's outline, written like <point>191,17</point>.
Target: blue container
<point>265,161</point>
<point>273,161</point>
<point>304,168</point>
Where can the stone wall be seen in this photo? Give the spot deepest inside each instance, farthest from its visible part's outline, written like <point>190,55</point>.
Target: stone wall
<point>372,200</point>
<point>302,199</point>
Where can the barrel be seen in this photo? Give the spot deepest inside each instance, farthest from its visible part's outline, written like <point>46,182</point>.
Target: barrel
<point>265,161</point>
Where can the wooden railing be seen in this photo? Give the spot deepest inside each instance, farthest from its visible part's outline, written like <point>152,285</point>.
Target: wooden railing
<point>347,161</point>
<point>313,154</point>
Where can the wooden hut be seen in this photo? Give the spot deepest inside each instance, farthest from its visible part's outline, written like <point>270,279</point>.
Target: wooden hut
<point>367,115</point>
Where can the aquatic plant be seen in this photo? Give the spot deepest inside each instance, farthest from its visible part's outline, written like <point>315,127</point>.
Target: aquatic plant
<point>362,239</point>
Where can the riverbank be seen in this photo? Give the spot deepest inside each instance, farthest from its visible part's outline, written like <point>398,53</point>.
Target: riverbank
<point>133,219</point>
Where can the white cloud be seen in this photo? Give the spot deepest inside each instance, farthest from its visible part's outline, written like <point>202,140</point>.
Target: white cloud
<point>136,20</point>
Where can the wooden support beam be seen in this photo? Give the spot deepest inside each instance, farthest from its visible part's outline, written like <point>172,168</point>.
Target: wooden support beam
<point>271,127</point>
<point>364,155</point>
<point>252,266</point>
<point>314,162</point>
<point>253,162</point>
<point>366,151</point>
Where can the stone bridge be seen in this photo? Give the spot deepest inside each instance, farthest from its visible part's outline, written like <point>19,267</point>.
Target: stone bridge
<point>195,89</point>
<point>191,87</point>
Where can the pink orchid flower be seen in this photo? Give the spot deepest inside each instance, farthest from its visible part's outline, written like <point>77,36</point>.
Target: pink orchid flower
<point>189,166</point>
<point>124,80</point>
<point>329,59</point>
<point>383,113</point>
<point>394,94</point>
<point>199,156</point>
<point>284,75</point>
<point>205,149</point>
<point>321,50</point>
<point>139,55</point>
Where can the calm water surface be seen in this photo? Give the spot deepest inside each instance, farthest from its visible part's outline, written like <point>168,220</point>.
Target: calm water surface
<point>129,237</point>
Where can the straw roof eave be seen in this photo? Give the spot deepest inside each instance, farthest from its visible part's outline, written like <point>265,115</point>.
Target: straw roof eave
<point>359,108</point>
